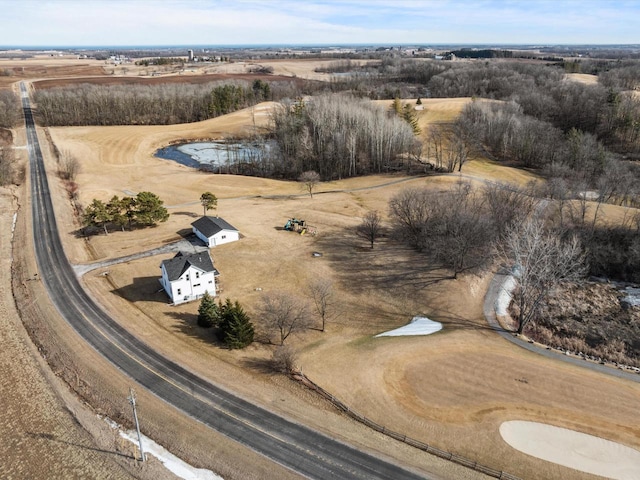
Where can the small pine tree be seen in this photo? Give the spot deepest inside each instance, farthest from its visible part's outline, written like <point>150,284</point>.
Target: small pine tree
<point>409,115</point>
<point>236,330</point>
<point>396,106</point>
<point>208,312</point>
<point>419,101</point>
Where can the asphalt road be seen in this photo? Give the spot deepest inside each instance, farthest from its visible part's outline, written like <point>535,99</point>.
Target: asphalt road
<point>294,446</point>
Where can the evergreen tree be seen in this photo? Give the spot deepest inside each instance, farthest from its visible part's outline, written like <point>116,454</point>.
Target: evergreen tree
<point>97,215</point>
<point>116,210</point>
<point>129,205</point>
<point>409,116</point>
<point>208,312</point>
<point>149,209</point>
<point>208,200</point>
<point>226,99</point>
<point>236,330</point>
<point>396,106</point>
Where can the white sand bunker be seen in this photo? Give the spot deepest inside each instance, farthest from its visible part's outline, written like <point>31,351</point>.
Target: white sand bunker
<point>572,449</point>
<point>417,326</point>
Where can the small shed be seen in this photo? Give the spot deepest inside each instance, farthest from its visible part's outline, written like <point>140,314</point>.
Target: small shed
<point>214,231</point>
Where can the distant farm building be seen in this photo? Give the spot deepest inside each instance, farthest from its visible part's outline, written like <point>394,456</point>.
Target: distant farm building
<point>187,277</point>
<point>214,231</point>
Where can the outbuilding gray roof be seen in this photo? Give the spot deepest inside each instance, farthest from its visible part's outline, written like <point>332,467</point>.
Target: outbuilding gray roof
<point>179,264</point>
<point>209,226</point>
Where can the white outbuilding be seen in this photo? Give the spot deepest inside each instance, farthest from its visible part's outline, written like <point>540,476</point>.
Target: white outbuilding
<point>187,276</point>
<point>214,231</point>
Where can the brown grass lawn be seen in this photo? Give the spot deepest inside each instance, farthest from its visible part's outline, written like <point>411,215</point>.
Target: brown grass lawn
<point>583,78</point>
<point>451,389</point>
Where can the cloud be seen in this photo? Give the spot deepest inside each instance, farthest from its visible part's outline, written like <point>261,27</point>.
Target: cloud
<point>215,22</point>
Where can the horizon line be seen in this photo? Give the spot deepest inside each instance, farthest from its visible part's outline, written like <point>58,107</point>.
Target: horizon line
<point>313,45</point>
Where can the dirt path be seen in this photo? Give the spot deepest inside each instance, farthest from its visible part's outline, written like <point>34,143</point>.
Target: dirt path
<point>190,244</point>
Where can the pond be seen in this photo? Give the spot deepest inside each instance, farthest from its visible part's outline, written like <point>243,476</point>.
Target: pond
<point>216,155</point>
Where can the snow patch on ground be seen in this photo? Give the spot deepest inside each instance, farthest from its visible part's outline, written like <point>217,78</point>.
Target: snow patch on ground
<point>504,296</point>
<point>172,463</point>
<point>417,326</point>
<point>580,451</point>
<point>632,296</point>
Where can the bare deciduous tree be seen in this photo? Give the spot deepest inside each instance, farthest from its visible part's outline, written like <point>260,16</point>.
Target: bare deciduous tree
<point>507,204</point>
<point>447,147</point>
<point>459,230</point>
<point>284,359</point>
<point>371,227</point>
<point>541,259</point>
<point>283,314</point>
<point>323,296</point>
<point>309,180</point>
<point>7,167</point>
<point>68,166</point>
<point>410,212</point>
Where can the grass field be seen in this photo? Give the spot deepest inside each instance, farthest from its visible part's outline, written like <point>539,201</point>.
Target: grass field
<point>452,389</point>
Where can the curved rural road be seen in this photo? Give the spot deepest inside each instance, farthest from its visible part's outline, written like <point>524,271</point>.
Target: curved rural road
<point>296,447</point>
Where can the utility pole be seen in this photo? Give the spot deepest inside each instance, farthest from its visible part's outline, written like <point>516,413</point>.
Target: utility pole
<point>132,401</point>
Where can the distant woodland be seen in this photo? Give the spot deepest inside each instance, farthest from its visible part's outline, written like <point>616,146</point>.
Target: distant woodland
<point>583,138</point>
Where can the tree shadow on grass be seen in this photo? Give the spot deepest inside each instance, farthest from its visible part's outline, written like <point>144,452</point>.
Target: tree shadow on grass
<point>188,325</point>
<point>452,321</point>
<point>51,437</point>
<point>187,214</point>
<point>265,366</point>
<point>389,266</point>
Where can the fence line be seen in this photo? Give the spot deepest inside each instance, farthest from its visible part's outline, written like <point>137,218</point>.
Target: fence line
<point>459,459</point>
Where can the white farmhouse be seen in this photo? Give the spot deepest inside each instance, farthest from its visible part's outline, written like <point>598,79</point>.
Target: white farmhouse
<point>187,276</point>
<point>215,231</point>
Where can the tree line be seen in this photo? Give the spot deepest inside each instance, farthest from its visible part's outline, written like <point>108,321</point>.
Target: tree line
<point>339,136</point>
<point>9,172</point>
<point>583,163</point>
<point>606,110</point>
<point>10,109</point>
<point>161,104</point>
<point>468,228</point>
<point>144,210</point>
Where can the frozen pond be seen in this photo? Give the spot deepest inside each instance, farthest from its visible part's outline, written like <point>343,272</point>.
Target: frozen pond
<point>215,155</point>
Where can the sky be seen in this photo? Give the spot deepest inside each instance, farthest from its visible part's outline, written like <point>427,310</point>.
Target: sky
<point>316,22</point>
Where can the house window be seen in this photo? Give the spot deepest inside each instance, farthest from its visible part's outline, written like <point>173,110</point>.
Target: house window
<point>223,237</point>
<point>197,285</point>
<point>179,291</point>
<point>187,277</point>
<point>210,281</point>
<point>197,274</point>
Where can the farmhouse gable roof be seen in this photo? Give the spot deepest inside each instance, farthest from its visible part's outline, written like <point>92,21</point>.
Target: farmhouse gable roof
<point>209,226</point>
<point>179,264</point>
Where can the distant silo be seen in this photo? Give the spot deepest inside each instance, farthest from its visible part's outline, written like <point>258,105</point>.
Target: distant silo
<point>191,55</point>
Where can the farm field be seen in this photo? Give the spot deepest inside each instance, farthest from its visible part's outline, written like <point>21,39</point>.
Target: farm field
<point>452,389</point>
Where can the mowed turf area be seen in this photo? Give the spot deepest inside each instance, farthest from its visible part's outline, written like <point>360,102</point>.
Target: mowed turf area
<point>452,389</point>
